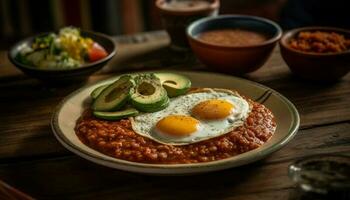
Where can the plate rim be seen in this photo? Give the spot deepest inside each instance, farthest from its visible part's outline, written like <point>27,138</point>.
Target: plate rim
<point>293,129</point>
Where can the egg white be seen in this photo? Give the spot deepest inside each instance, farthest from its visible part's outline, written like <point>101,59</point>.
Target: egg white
<point>145,124</point>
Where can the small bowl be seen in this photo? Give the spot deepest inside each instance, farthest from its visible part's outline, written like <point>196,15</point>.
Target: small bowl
<point>176,21</point>
<point>315,66</point>
<point>234,59</point>
<point>64,75</point>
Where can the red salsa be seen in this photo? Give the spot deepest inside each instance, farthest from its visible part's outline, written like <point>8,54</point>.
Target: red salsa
<point>320,42</point>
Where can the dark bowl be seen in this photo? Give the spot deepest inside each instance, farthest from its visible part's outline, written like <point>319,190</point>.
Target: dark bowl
<point>234,59</point>
<point>315,66</point>
<point>64,75</point>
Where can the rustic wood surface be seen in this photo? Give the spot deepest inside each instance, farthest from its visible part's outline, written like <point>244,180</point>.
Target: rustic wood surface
<point>33,161</point>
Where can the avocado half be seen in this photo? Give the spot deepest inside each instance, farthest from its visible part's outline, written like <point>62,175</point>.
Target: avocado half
<point>115,95</point>
<point>148,95</point>
<point>174,84</point>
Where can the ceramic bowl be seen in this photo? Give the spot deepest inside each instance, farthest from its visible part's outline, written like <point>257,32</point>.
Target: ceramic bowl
<point>315,66</point>
<point>175,21</point>
<point>234,59</point>
<point>63,75</point>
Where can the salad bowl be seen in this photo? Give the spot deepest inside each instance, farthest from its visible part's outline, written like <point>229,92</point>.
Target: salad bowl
<point>60,75</point>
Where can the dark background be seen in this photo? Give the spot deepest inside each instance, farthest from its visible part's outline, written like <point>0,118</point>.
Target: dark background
<point>22,18</point>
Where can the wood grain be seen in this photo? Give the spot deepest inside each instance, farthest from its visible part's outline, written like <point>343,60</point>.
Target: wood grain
<point>32,160</point>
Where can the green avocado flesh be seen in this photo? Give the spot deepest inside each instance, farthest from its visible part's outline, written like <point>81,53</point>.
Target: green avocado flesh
<point>97,91</point>
<point>148,95</point>
<point>114,96</point>
<point>116,115</point>
<point>151,108</point>
<point>174,84</point>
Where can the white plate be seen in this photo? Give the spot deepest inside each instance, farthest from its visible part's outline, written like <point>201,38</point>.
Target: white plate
<point>286,116</point>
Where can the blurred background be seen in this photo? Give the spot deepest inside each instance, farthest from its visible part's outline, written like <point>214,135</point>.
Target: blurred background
<point>21,18</point>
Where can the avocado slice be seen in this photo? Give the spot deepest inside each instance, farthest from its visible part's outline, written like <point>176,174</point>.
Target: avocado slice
<point>116,115</point>
<point>97,91</point>
<point>148,95</point>
<point>174,84</point>
<point>115,95</point>
<point>151,108</point>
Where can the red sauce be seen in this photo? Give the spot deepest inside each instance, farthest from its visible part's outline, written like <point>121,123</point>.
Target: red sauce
<point>320,42</point>
<point>232,37</point>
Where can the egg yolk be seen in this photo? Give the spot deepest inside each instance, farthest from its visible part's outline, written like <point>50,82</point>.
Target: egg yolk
<point>212,109</point>
<point>178,125</point>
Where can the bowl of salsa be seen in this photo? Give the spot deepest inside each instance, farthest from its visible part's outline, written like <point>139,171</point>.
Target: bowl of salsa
<point>235,44</point>
<point>69,54</point>
<point>317,53</point>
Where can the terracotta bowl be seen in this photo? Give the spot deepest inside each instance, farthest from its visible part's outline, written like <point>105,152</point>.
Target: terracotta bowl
<point>65,75</point>
<point>315,66</point>
<point>176,21</point>
<point>233,59</point>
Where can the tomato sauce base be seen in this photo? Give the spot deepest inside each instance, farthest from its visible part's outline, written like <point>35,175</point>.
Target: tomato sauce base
<point>117,139</point>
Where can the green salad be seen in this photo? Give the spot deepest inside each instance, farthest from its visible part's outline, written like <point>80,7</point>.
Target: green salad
<point>67,49</point>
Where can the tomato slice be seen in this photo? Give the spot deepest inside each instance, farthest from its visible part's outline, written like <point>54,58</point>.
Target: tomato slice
<point>96,52</point>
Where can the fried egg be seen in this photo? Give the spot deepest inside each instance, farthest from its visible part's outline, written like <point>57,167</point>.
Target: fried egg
<point>194,117</point>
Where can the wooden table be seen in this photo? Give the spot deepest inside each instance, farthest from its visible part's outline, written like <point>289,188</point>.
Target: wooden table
<point>33,161</point>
